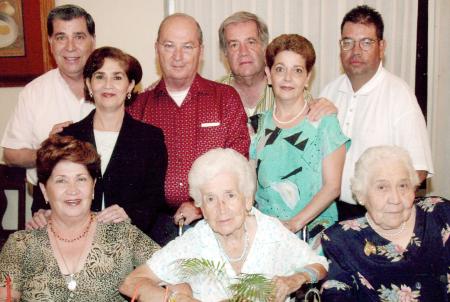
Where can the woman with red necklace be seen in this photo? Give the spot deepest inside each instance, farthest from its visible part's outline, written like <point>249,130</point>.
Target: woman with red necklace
<point>74,258</point>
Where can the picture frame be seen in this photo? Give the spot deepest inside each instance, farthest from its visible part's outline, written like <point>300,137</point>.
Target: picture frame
<point>18,70</point>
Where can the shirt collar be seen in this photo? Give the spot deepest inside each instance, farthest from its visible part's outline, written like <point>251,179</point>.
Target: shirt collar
<point>346,85</point>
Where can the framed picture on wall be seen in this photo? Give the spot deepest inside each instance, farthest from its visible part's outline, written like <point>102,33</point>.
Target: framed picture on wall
<point>24,53</point>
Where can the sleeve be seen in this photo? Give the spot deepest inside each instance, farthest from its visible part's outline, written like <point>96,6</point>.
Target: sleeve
<point>235,120</point>
<point>331,135</point>
<point>411,131</point>
<point>153,190</point>
<point>143,247</point>
<point>11,261</point>
<point>339,284</point>
<point>164,263</point>
<point>19,130</point>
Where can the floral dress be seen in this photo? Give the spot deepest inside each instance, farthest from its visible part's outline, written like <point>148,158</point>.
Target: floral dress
<point>289,167</point>
<point>366,267</point>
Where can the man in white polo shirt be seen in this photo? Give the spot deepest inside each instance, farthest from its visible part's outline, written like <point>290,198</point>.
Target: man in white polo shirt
<point>375,107</point>
<point>55,99</point>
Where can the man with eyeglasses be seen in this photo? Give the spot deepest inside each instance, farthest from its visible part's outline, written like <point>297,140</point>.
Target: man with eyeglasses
<point>375,107</point>
<point>195,115</point>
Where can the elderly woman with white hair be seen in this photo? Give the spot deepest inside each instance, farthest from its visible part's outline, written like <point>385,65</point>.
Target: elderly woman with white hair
<point>233,240</point>
<point>399,251</point>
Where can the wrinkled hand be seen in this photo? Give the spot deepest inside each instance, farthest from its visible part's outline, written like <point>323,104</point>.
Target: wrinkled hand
<point>112,214</point>
<point>188,211</point>
<point>319,108</point>
<point>39,220</point>
<point>291,225</point>
<point>284,286</point>
<point>59,127</point>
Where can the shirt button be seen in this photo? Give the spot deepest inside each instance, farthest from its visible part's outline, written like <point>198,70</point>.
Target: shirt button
<point>418,285</point>
<point>181,184</point>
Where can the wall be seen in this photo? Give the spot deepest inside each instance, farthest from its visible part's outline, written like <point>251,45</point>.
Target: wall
<point>129,25</point>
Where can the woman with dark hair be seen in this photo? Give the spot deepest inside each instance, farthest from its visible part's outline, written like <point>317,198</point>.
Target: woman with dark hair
<point>133,154</point>
<point>74,258</point>
<point>299,162</point>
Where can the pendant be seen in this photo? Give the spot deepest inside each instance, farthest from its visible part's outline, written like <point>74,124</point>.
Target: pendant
<point>71,282</point>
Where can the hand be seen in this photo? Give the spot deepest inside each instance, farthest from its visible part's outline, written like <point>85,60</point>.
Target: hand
<point>59,127</point>
<point>188,211</point>
<point>319,108</point>
<point>180,297</point>
<point>291,225</point>
<point>112,214</point>
<point>284,286</point>
<point>39,220</point>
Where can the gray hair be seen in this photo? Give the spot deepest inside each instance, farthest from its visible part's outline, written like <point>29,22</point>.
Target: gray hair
<point>69,12</point>
<point>376,155</point>
<point>217,161</point>
<point>199,29</point>
<point>241,17</point>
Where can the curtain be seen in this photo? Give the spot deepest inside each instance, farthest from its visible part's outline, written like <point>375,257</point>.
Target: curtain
<point>317,20</point>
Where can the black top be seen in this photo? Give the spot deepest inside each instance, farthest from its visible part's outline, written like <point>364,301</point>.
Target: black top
<point>134,177</point>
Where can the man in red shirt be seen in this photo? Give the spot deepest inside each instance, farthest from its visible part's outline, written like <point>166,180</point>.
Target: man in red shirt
<point>195,114</point>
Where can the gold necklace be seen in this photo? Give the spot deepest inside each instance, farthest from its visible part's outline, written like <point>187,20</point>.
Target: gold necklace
<point>73,239</point>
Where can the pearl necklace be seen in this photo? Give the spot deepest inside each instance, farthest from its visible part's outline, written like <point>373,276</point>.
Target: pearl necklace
<point>292,119</point>
<point>244,252</point>
<point>385,234</point>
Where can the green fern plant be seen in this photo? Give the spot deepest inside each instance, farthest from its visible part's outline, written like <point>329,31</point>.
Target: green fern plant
<point>246,288</point>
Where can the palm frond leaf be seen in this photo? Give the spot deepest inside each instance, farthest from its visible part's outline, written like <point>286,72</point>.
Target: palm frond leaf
<point>252,288</point>
<point>191,267</point>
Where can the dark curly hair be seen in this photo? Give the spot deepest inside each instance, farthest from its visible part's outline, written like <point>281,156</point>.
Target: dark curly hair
<point>57,148</point>
<point>364,14</point>
<point>130,64</point>
<point>292,42</point>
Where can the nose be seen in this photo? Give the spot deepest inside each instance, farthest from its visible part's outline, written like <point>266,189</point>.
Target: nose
<point>72,188</point>
<point>108,82</point>
<point>70,45</point>
<point>396,196</point>
<point>243,49</point>
<point>357,48</point>
<point>287,75</point>
<point>222,206</point>
<point>178,53</point>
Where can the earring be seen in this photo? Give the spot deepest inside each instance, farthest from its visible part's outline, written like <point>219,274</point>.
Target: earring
<point>129,95</point>
<point>90,94</point>
<point>46,201</point>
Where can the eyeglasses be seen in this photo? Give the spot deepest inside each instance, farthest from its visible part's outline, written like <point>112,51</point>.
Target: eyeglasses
<point>364,44</point>
<point>187,48</point>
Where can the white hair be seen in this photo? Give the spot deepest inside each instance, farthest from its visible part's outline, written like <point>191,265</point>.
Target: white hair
<point>217,161</point>
<point>373,156</point>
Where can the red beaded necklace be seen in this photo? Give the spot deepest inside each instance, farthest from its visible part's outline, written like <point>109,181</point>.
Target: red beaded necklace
<point>74,239</point>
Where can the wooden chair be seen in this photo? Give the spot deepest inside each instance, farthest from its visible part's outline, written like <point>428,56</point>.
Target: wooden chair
<point>13,178</point>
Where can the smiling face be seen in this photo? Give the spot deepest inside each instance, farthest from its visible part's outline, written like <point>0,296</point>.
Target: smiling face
<point>179,51</point>
<point>110,86</point>
<point>359,63</point>
<point>288,76</point>
<point>244,49</point>
<point>71,44</point>
<point>223,205</point>
<point>69,190</point>
<point>390,195</point>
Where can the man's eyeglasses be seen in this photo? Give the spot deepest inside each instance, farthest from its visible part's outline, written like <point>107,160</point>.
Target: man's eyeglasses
<point>364,44</point>
<point>169,47</point>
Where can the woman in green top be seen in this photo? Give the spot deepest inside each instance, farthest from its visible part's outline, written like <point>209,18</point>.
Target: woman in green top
<point>299,163</point>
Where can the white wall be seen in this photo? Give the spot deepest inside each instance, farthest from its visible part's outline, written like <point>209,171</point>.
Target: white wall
<point>130,25</point>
